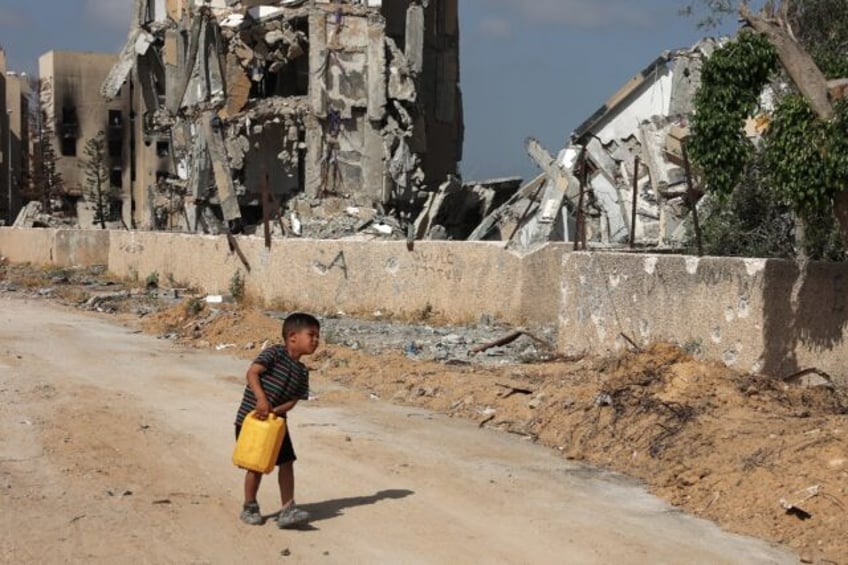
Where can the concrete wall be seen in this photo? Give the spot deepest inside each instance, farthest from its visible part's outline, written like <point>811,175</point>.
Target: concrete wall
<point>753,314</point>
<point>62,248</point>
<point>459,283</point>
<point>739,311</point>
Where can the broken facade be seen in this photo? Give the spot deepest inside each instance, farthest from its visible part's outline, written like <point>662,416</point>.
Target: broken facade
<point>268,111</point>
<point>634,142</point>
<point>18,139</point>
<point>74,113</point>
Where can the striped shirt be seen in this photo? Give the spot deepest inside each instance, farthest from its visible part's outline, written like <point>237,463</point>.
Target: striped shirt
<point>284,379</point>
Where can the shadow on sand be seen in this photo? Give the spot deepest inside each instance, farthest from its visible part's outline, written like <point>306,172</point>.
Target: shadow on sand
<point>334,508</point>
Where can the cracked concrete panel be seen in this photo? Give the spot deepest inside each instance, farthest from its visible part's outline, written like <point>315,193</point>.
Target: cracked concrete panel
<point>347,31</point>
<point>314,140</point>
<point>377,93</point>
<point>414,49</point>
<point>118,74</point>
<point>318,60</point>
<point>347,82</point>
<point>191,74</point>
<point>173,54</point>
<point>200,173</point>
<point>175,9</point>
<point>602,159</point>
<point>206,83</point>
<point>211,127</point>
<point>214,68</point>
<point>343,158</point>
<point>561,187</point>
<point>150,73</point>
<point>401,82</point>
<point>373,167</point>
<point>238,87</point>
<point>686,80</point>
<point>433,207</point>
<point>615,229</point>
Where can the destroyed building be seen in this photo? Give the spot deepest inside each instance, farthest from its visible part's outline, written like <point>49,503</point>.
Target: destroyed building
<point>17,140</point>
<point>74,113</point>
<point>280,111</point>
<point>634,142</point>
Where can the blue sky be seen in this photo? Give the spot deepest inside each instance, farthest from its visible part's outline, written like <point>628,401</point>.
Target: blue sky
<point>529,67</point>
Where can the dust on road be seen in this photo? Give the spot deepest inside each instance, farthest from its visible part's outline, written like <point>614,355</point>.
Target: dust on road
<point>115,446</point>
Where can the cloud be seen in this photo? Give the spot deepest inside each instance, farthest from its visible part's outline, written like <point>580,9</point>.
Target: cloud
<point>114,14</point>
<point>495,28</point>
<point>579,14</point>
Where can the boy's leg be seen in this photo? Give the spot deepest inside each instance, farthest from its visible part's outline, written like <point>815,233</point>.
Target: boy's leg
<point>252,480</point>
<point>290,515</point>
<point>286,480</point>
<point>250,513</point>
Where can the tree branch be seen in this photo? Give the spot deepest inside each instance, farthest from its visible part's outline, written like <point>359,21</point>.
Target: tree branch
<point>799,65</point>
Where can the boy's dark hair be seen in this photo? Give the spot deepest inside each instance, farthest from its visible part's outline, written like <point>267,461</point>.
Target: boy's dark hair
<point>299,321</point>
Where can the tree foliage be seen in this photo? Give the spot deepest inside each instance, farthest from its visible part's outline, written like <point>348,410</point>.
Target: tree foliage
<point>732,81</point>
<point>807,159</point>
<point>821,26</point>
<point>801,167</point>
<point>710,13</point>
<point>96,169</point>
<point>749,222</point>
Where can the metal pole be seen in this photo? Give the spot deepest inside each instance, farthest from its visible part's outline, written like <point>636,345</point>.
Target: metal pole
<point>691,199</point>
<point>635,202</point>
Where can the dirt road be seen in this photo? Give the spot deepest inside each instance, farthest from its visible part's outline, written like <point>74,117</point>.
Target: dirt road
<point>114,446</point>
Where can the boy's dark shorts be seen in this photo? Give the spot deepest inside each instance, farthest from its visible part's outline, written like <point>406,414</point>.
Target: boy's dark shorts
<point>287,454</point>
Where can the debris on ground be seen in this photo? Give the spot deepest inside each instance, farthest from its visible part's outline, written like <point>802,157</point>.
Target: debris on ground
<point>759,456</point>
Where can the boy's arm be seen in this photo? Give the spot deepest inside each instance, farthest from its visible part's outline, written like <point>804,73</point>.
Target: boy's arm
<point>285,407</point>
<point>263,407</point>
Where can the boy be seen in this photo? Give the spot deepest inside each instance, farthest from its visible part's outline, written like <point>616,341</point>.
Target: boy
<point>276,380</point>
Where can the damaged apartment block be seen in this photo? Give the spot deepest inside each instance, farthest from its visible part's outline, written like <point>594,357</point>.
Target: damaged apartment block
<point>622,178</point>
<point>291,113</point>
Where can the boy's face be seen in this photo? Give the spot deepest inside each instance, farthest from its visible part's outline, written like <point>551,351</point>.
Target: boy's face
<point>303,342</point>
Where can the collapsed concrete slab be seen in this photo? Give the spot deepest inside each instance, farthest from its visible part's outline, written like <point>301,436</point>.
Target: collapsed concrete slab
<point>633,142</point>
<point>316,99</point>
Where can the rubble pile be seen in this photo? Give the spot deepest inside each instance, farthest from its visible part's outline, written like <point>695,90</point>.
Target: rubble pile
<point>253,104</point>
<point>634,142</point>
<point>33,216</point>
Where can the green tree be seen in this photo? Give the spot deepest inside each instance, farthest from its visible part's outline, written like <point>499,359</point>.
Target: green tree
<point>97,189</point>
<point>803,162</point>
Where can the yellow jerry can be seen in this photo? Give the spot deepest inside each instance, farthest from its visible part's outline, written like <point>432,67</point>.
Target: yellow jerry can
<point>259,443</point>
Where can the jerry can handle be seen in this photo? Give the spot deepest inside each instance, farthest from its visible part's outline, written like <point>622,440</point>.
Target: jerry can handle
<point>271,416</point>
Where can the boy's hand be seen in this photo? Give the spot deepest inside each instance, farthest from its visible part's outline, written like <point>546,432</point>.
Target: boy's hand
<point>263,408</point>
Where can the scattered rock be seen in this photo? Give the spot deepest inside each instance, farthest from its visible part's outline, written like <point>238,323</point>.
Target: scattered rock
<point>603,399</point>
<point>537,401</point>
